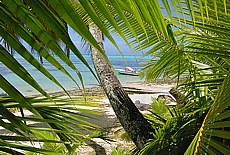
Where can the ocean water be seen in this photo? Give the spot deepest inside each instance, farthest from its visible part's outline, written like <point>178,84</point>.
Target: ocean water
<point>89,81</point>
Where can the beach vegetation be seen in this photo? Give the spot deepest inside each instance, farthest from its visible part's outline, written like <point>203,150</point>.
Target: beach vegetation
<point>64,124</point>
<point>118,151</point>
<point>159,108</point>
<point>66,118</point>
<point>195,52</point>
<point>187,40</point>
<point>188,43</point>
<point>174,129</point>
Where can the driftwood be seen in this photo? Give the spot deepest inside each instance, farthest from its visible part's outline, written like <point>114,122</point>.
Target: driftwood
<point>132,90</point>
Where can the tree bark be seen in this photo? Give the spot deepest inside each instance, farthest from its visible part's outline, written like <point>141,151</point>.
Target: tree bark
<point>137,127</point>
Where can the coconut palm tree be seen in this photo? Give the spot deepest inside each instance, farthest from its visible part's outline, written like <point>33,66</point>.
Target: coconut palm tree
<point>190,42</point>
<point>129,116</point>
<point>181,39</point>
<point>140,136</point>
<point>187,38</point>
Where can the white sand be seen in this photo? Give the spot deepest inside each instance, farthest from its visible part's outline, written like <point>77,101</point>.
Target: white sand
<point>154,90</point>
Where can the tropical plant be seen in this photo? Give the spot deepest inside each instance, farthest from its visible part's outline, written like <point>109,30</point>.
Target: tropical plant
<point>198,52</point>
<point>187,39</point>
<point>52,147</point>
<point>118,151</point>
<point>35,31</point>
<point>65,120</point>
<point>174,129</point>
<point>62,119</point>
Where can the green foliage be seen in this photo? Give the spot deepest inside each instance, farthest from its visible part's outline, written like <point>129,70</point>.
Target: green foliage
<point>61,127</point>
<point>213,136</point>
<point>3,153</point>
<point>118,151</point>
<point>52,147</point>
<point>42,28</point>
<point>160,108</point>
<point>200,55</point>
<point>188,39</point>
<point>174,130</point>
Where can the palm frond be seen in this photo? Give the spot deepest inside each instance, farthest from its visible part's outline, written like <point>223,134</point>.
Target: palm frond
<point>32,21</point>
<point>215,126</point>
<point>64,119</point>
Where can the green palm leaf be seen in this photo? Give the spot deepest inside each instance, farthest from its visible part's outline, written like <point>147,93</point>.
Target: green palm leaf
<point>21,31</point>
<point>56,25</point>
<point>188,39</point>
<point>208,131</point>
<point>39,30</point>
<point>64,119</point>
<point>12,64</point>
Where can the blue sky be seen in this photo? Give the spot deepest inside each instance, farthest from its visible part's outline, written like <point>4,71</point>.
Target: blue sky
<point>109,48</point>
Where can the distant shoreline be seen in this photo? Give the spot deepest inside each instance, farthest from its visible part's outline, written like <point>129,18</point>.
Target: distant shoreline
<point>98,91</point>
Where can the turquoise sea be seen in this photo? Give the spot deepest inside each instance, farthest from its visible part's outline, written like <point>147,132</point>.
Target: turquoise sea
<point>116,60</point>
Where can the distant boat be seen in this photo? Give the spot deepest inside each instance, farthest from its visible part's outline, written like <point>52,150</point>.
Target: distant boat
<point>127,71</point>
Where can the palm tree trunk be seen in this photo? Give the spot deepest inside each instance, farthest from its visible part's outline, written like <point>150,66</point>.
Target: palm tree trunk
<point>137,127</point>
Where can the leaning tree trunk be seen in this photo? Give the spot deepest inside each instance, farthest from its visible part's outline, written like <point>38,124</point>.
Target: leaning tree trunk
<point>137,127</point>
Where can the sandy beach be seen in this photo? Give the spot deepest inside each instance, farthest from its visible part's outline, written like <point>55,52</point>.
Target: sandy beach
<point>139,92</point>
<point>157,88</point>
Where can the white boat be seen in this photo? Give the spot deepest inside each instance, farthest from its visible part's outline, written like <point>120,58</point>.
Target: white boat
<point>127,71</point>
